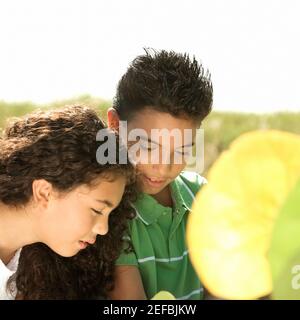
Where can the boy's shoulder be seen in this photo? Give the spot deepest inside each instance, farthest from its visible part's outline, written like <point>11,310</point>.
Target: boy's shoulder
<point>192,180</point>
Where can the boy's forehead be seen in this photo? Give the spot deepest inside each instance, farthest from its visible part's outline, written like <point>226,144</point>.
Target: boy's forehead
<point>162,128</point>
<point>150,118</point>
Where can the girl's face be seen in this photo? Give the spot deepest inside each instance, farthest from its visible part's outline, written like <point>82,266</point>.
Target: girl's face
<point>70,222</point>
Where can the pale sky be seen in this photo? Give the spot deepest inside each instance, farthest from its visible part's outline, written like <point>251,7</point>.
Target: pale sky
<point>55,49</point>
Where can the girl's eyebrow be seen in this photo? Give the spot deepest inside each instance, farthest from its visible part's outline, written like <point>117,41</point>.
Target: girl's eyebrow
<point>108,203</point>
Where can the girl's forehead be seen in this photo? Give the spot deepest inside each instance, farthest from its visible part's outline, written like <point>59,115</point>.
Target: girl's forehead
<point>102,184</point>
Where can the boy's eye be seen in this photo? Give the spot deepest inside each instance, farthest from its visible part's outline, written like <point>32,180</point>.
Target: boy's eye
<point>97,212</point>
<point>147,146</point>
<point>184,152</point>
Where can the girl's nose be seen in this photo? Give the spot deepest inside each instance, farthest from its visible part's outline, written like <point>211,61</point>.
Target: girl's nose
<point>101,226</point>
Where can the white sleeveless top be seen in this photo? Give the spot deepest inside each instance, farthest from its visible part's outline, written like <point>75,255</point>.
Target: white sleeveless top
<point>6,271</point>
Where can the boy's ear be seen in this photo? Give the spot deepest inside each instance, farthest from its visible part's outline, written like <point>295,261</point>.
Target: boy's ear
<point>41,191</point>
<point>113,119</point>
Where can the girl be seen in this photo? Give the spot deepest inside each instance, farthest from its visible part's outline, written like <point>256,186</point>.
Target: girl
<point>57,201</point>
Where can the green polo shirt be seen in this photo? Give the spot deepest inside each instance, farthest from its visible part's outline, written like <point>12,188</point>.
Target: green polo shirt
<point>157,234</point>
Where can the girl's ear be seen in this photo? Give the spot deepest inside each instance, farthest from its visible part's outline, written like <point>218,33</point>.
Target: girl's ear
<point>41,191</point>
<point>113,119</point>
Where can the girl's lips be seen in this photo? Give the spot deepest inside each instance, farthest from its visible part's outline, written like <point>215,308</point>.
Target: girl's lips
<point>83,244</point>
<point>91,241</point>
<point>154,182</point>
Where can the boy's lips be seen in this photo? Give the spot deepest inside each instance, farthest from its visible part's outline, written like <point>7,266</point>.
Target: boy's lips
<point>153,181</point>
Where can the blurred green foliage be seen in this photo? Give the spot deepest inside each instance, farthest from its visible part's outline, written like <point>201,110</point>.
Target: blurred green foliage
<point>284,253</point>
<point>220,128</point>
<point>11,110</point>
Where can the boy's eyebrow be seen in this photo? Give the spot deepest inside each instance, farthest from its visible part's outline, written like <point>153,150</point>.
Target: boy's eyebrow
<point>108,203</point>
<point>189,145</point>
<point>151,141</point>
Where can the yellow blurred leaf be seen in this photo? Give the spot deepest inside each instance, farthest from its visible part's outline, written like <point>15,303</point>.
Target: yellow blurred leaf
<point>163,295</point>
<point>229,230</point>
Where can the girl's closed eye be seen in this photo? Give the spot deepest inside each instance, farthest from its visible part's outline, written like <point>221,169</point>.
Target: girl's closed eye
<point>97,211</point>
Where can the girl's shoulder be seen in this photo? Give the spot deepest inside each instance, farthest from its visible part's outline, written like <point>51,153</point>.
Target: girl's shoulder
<point>6,271</point>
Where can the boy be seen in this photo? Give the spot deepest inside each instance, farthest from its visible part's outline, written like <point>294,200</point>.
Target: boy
<point>163,91</point>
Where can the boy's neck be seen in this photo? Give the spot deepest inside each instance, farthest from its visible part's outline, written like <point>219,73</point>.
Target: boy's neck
<point>164,197</point>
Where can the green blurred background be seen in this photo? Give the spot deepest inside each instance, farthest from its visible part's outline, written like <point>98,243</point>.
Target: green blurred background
<point>220,128</point>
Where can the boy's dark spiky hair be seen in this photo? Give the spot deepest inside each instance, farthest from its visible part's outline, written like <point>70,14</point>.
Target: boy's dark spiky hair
<point>166,81</point>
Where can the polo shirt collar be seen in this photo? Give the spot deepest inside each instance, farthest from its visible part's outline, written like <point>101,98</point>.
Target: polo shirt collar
<point>183,196</point>
<point>149,210</point>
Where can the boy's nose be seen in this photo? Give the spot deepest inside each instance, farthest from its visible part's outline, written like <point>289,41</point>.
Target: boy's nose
<point>101,226</point>
<point>163,169</point>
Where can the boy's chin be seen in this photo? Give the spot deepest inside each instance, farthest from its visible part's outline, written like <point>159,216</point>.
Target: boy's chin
<point>152,190</point>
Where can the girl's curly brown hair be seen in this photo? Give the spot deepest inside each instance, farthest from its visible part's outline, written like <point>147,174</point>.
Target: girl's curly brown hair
<point>60,146</point>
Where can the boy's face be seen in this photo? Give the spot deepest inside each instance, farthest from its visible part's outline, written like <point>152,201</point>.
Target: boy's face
<point>154,176</point>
